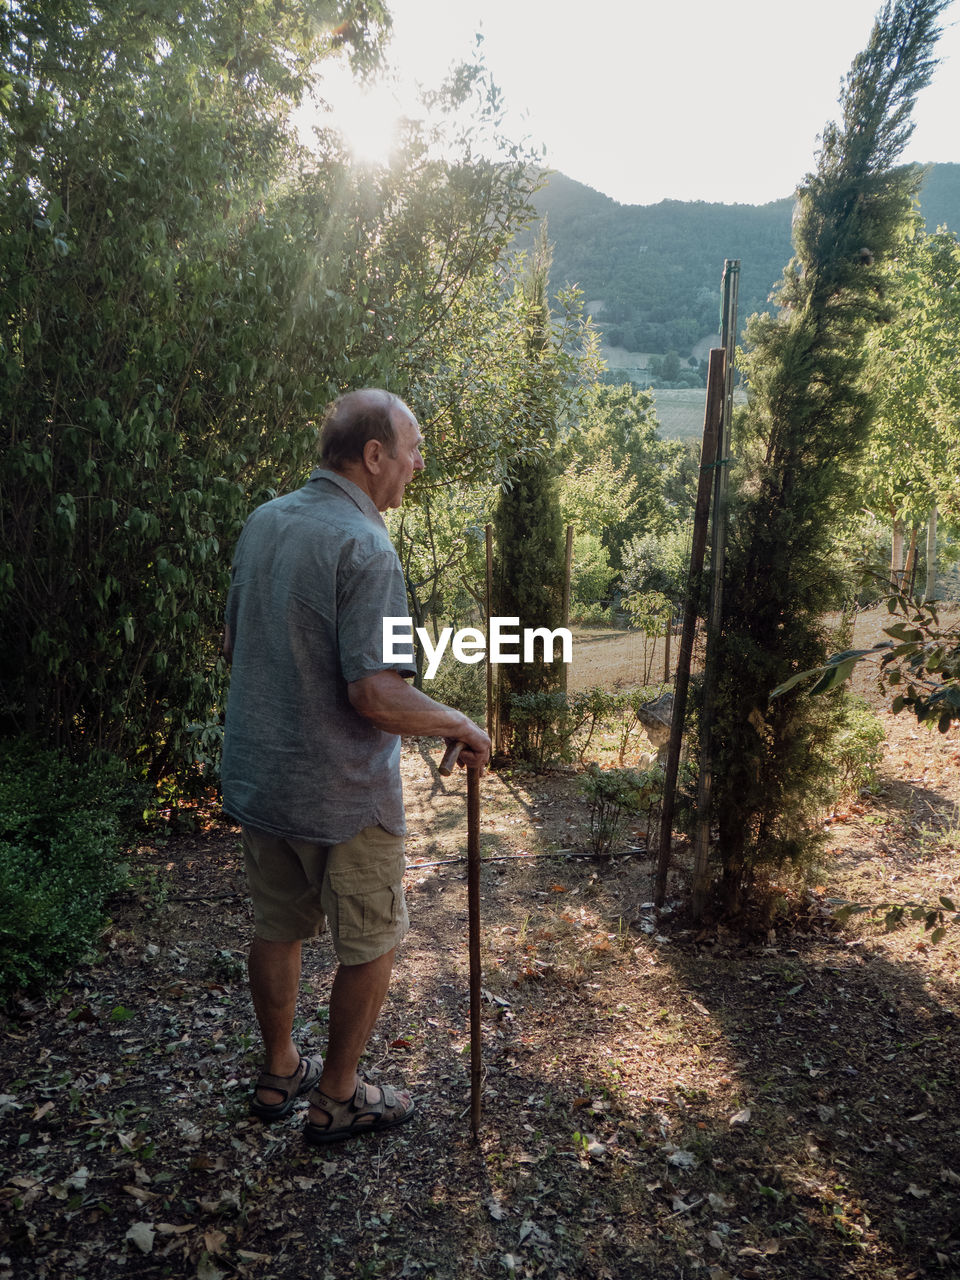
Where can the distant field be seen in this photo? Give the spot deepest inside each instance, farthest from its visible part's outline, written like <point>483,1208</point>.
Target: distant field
<point>680,413</point>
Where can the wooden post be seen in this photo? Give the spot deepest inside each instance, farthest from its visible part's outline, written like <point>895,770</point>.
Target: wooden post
<point>708,453</point>
<point>489,607</point>
<point>568,566</point>
<point>701,844</point>
<point>667,637</point>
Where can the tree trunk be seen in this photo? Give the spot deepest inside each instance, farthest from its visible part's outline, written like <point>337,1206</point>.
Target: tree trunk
<point>910,567</point>
<point>896,556</point>
<point>930,589</point>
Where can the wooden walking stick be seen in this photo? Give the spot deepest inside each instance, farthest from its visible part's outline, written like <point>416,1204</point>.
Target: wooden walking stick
<point>473,923</point>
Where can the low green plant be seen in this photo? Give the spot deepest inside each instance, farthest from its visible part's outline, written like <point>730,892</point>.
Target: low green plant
<point>61,826</point>
<point>617,797</point>
<point>857,748</point>
<point>650,613</point>
<point>550,727</point>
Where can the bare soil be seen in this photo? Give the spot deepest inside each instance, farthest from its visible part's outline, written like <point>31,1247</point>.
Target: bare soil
<point>780,1103</point>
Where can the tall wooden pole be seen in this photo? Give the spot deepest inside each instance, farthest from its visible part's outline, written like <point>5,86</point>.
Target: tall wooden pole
<point>701,516</point>
<point>701,842</point>
<point>473,931</point>
<point>565,620</point>
<point>489,607</point>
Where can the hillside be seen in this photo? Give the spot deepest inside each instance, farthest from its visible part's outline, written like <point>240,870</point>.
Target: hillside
<point>651,273</point>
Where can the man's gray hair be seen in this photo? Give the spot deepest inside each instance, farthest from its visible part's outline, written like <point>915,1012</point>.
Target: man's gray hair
<point>353,419</point>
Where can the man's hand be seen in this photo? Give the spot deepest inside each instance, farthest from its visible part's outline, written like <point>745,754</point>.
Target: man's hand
<point>472,757</point>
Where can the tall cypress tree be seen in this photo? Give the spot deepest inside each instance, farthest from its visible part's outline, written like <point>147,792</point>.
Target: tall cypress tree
<point>527,520</point>
<point>803,433</point>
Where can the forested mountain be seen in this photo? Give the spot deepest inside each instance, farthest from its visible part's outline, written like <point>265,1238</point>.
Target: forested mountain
<point>651,273</point>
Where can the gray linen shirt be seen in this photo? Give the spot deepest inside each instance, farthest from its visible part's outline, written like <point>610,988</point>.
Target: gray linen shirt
<point>314,574</point>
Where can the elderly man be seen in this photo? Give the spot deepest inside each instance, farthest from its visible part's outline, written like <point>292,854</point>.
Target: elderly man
<point>311,760</point>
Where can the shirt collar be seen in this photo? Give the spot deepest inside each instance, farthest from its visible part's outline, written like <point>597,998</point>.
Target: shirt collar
<point>353,492</point>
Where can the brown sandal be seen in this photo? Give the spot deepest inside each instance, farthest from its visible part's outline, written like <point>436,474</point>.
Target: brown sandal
<point>350,1117</point>
<point>292,1087</point>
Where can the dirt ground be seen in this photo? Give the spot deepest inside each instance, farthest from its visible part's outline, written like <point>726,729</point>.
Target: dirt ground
<point>657,1101</point>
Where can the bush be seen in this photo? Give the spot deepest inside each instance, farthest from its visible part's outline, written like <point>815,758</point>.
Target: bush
<point>857,748</point>
<point>461,685</point>
<point>657,562</point>
<point>593,614</point>
<point>60,838</point>
<point>548,726</point>
<point>592,573</point>
<point>617,796</point>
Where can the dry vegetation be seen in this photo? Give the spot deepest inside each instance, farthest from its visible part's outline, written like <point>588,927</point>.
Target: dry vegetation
<point>658,1101</point>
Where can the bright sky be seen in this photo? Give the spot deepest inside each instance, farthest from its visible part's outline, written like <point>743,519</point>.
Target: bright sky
<point>685,100</point>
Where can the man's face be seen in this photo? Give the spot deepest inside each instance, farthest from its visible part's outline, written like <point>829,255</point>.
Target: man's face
<point>397,472</point>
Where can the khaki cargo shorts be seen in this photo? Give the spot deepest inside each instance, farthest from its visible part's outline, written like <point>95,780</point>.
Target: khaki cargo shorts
<point>355,888</point>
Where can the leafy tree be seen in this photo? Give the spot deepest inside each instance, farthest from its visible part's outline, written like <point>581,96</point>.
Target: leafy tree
<point>615,466</point>
<point>920,661</point>
<point>182,290</point>
<point>592,574</point>
<point>658,563</point>
<point>913,456</point>
<point>804,434</point>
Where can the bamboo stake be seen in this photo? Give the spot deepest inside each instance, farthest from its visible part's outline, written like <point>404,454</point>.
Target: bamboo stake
<point>708,454</point>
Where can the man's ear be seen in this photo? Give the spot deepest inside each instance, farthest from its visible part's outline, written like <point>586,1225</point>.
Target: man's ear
<point>372,454</point>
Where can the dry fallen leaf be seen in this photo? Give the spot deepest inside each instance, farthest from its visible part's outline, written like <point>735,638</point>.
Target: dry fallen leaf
<point>142,1235</point>
<point>140,1193</point>
<point>213,1241</point>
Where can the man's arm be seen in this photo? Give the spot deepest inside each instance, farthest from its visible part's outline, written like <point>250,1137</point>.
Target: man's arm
<point>393,705</point>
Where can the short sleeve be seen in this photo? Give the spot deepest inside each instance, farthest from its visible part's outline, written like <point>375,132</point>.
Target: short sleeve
<point>367,593</point>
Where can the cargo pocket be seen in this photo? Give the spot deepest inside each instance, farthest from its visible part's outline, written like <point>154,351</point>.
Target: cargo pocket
<point>369,899</point>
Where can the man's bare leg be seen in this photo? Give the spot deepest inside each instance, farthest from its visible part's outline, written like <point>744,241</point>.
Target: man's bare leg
<point>355,1003</point>
<point>274,971</point>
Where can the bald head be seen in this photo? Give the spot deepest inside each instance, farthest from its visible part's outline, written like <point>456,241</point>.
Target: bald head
<point>355,418</point>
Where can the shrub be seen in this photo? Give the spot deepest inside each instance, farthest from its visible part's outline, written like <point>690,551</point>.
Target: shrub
<point>857,747</point>
<point>463,686</point>
<point>592,572</point>
<point>595,614</point>
<point>617,796</point>
<point>549,726</point>
<point>657,562</point>
<point>60,839</point>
